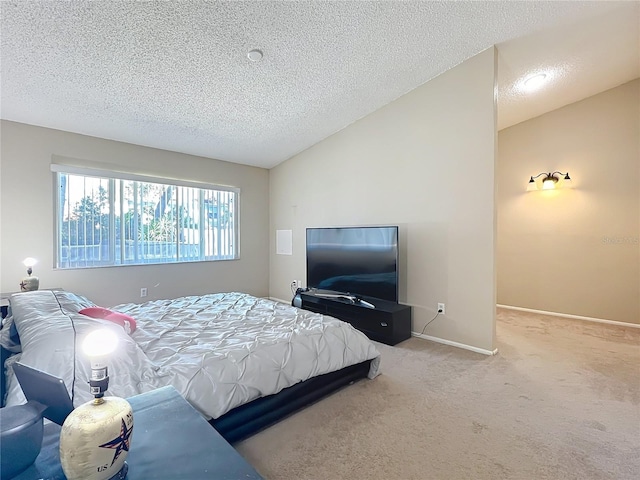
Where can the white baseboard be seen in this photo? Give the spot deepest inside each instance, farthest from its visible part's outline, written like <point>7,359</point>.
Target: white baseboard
<point>574,317</point>
<point>275,299</point>
<point>455,344</point>
<point>427,337</point>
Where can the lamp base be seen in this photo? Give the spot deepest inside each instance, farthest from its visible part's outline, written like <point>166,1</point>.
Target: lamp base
<point>122,473</point>
<point>95,438</point>
<point>29,284</point>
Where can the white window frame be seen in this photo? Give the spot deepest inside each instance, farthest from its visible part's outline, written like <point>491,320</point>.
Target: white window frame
<point>114,179</point>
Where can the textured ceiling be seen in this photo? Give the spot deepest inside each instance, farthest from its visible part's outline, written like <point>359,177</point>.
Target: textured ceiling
<point>175,75</point>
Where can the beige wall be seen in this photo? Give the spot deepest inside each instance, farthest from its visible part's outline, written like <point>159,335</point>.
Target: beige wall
<point>424,162</point>
<point>573,251</point>
<point>27,218</point>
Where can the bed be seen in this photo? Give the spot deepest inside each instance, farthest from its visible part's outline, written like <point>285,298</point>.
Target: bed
<point>243,362</point>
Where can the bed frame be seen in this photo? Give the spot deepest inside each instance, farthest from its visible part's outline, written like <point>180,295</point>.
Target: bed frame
<point>247,419</point>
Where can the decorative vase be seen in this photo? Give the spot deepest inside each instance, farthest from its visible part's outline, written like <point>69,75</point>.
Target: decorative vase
<point>95,439</point>
<point>21,430</point>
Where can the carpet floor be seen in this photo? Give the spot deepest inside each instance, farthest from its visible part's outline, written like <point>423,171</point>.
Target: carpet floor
<point>560,400</point>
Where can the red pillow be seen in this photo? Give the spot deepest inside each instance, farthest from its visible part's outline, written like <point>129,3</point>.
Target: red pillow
<point>125,321</point>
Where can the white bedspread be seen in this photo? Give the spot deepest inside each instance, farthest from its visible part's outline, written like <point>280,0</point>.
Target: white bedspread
<point>219,351</point>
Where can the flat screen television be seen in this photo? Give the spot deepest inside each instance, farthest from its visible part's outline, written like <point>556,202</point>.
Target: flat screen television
<point>355,260</point>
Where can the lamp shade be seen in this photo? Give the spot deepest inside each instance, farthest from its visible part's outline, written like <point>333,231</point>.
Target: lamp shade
<point>549,183</point>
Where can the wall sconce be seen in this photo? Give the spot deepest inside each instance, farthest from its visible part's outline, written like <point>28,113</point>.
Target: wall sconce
<point>550,181</point>
<point>29,283</point>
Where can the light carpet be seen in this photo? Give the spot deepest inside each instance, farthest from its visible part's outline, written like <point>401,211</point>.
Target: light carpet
<point>559,401</point>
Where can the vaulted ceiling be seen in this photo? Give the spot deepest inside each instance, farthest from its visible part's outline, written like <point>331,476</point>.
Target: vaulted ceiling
<point>176,75</point>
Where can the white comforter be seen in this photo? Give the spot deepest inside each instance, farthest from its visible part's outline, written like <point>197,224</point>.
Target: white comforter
<point>219,351</point>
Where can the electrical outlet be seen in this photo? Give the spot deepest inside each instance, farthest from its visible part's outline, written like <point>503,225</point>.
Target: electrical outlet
<point>143,292</point>
<point>294,284</point>
<point>441,308</point>
<point>299,283</point>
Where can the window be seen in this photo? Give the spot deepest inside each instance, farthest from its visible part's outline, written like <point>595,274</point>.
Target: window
<point>114,221</point>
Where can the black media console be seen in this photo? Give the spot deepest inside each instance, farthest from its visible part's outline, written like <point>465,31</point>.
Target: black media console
<point>388,322</point>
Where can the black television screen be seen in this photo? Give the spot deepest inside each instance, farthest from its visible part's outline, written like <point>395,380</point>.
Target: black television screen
<point>356,260</point>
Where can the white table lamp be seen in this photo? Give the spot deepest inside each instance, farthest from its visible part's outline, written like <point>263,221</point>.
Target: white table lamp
<point>30,282</point>
<point>95,437</point>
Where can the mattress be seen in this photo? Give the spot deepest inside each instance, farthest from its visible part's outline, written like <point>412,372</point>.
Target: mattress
<point>219,351</point>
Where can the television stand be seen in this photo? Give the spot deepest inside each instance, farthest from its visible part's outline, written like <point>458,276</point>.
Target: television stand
<point>352,298</point>
<point>387,322</point>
